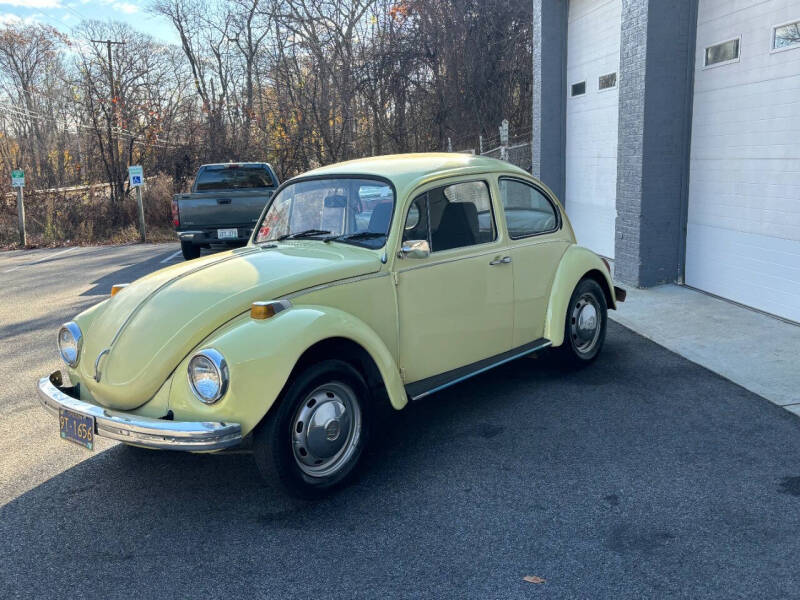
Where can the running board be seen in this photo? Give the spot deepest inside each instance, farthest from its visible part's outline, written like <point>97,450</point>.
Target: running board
<point>426,387</point>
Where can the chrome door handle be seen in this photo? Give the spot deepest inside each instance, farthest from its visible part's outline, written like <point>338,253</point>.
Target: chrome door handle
<point>500,261</point>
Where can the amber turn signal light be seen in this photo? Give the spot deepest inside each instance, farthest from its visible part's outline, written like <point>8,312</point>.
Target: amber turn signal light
<point>118,287</point>
<point>267,310</point>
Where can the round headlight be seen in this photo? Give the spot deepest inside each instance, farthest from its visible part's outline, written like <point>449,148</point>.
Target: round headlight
<point>208,375</point>
<point>70,340</point>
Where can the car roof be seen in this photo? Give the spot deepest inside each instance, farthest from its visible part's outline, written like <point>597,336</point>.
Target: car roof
<point>238,164</point>
<point>406,170</point>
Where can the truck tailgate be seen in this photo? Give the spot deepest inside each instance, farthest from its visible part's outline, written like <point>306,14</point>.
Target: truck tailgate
<point>219,209</point>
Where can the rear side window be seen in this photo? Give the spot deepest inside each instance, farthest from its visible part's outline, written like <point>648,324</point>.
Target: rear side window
<point>452,216</point>
<point>233,177</point>
<point>528,211</point>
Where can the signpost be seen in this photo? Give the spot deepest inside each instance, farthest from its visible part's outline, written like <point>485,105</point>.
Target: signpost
<point>504,140</point>
<point>18,181</point>
<point>136,175</point>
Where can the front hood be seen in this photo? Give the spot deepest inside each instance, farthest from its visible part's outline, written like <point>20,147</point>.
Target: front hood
<point>150,326</point>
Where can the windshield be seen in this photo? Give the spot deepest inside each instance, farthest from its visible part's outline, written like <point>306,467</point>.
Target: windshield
<point>357,211</point>
<point>233,177</point>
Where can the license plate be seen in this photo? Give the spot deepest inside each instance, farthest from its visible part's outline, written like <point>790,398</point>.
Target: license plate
<point>76,428</point>
<point>227,234</point>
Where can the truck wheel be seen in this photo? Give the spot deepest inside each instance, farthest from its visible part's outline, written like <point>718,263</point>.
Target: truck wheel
<point>312,441</point>
<point>189,250</point>
<point>585,326</point>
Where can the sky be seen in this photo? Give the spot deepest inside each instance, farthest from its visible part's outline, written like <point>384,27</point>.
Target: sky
<point>66,14</point>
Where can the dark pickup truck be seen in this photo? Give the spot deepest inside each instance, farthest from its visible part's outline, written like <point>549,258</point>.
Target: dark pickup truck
<point>223,206</point>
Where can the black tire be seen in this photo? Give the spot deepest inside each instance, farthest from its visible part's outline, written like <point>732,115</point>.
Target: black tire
<point>278,442</point>
<point>581,347</point>
<point>190,251</point>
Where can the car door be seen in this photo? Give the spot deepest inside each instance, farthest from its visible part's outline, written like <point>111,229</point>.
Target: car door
<point>536,245</point>
<point>455,304</point>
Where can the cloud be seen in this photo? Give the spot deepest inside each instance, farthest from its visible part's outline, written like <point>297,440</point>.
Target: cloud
<point>12,19</point>
<point>33,3</point>
<point>125,7</point>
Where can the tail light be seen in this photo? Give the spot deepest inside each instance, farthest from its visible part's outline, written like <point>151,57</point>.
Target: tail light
<point>176,213</point>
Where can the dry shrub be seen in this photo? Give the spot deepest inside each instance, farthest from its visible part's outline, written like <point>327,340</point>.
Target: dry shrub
<point>86,216</point>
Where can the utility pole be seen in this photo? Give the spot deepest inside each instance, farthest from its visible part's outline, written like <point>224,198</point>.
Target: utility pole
<point>112,145</point>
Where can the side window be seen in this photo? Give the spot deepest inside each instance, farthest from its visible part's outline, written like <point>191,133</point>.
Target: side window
<point>528,211</point>
<point>452,216</point>
<point>460,215</point>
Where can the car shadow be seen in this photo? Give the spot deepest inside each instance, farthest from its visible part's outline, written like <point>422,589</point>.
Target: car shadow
<point>130,513</point>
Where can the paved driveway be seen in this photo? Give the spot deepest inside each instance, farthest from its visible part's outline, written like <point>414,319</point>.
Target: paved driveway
<point>641,476</point>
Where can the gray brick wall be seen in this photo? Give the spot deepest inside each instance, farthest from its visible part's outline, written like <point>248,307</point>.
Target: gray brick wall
<point>548,141</point>
<point>656,80</point>
<point>630,143</point>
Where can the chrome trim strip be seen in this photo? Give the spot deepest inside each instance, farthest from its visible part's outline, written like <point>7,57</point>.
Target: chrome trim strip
<point>144,301</point>
<point>322,286</point>
<point>97,373</point>
<point>499,249</point>
<point>159,434</point>
<point>542,346</point>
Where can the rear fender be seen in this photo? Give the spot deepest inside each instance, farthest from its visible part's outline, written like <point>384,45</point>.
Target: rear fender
<point>577,263</point>
<point>261,355</point>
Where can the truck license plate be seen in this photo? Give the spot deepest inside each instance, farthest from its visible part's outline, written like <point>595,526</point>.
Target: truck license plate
<point>76,428</point>
<point>227,234</point>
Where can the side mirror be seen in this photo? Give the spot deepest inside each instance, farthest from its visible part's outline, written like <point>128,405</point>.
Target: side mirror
<point>415,249</point>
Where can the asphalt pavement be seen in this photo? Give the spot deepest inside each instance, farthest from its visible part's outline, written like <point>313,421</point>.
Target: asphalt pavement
<point>642,476</point>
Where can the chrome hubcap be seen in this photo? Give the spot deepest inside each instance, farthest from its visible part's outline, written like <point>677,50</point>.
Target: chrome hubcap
<point>326,429</point>
<point>585,323</point>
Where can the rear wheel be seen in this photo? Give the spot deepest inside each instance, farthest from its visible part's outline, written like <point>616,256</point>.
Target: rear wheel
<point>585,326</point>
<point>190,250</point>
<point>312,441</point>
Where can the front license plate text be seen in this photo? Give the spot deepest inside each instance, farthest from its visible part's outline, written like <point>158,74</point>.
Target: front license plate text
<point>76,428</point>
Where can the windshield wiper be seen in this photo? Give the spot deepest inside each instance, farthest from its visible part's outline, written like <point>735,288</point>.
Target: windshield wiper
<point>361,235</point>
<point>302,234</point>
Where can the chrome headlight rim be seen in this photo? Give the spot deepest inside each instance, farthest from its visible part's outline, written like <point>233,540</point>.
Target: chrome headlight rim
<point>220,366</point>
<point>77,335</point>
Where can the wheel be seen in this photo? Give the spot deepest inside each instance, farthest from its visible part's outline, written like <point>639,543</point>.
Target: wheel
<point>313,439</point>
<point>189,250</point>
<point>585,326</point>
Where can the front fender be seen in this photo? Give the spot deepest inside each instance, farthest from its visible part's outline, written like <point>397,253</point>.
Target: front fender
<point>576,263</point>
<point>262,353</point>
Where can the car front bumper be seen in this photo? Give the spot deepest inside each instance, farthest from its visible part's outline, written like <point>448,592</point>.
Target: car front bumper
<point>160,434</point>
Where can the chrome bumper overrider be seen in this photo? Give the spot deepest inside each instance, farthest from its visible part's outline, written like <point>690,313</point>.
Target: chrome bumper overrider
<point>142,431</point>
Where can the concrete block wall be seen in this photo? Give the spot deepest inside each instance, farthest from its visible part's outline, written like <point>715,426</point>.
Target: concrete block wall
<point>656,78</point>
<point>549,95</point>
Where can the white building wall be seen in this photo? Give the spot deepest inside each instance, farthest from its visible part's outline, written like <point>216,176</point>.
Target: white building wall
<point>743,235</point>
<point>593,36</point>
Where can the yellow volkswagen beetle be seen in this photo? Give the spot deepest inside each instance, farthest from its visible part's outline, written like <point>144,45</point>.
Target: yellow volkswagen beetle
<point>374,280</point>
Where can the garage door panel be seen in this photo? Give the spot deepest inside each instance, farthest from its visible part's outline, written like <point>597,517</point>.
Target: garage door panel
<point>743,231</point>
<point>758,271</point>
<point>592,118</point>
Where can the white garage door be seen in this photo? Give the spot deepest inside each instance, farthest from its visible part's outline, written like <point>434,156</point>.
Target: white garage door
<point>743,236</point>
<point>592,114</point>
